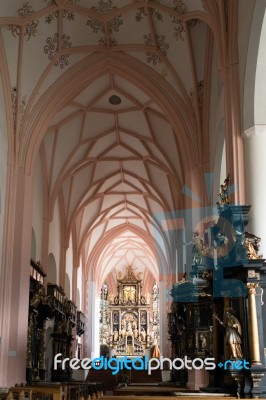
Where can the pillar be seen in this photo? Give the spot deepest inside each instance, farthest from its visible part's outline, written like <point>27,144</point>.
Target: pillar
<point>163,296</point>
<point>14,282</point>
<point>253,324</point>
<point>92,323</point>
<point>255,145</point>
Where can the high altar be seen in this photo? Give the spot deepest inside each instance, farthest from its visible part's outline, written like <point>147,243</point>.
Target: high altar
<point>129,321</point>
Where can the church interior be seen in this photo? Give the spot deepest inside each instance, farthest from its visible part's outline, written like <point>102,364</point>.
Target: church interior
<point>132,142</point>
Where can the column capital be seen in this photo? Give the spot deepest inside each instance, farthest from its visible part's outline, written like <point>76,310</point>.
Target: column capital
<point>255,130</point>
<point>252,286</point>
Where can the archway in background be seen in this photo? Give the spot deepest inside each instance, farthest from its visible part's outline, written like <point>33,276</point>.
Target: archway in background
<point>33,245</point>
<point>51,269</point>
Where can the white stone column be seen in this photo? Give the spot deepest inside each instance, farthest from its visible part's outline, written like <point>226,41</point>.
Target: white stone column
<point>255,167</point>
<point>92,325</point>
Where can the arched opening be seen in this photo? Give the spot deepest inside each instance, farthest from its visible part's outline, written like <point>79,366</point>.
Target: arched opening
<point>51,269</point>
<point>33,245</point>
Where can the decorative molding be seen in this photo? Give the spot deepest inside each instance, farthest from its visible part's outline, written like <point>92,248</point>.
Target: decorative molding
<point>252,286</point>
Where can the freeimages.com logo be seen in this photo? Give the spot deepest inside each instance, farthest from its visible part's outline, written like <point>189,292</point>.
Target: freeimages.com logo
<point>144,363</point>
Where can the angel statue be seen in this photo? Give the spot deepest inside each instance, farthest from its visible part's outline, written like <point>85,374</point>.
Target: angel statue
<point>233,334</point>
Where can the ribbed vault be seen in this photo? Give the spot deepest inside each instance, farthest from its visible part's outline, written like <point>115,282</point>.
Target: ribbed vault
<point>112,167</point>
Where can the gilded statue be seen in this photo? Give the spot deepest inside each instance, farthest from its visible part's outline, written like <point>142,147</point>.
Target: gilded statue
<point>233,334</point>
<point>199,249</point>
<point>252,246</point>
<point>220,241</point>
<point>223,195</point>
<point>129,294</point>
<point>203,341</point>
<point>143,335</point>
<point>116,335</point>
<point>147,297</point>
<point>111,298</point>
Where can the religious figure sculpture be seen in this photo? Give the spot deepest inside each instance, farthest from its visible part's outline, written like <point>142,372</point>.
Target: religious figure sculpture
<point>252,246</point>
<point>143,335</point>
<point>199,249</point>
<point>233,333</point>
<point>202,341</point>
<point>220,242</point>
<point>136,333</point>
<point>129,294</point>
<point>123,332</point>
<point>111,298</point>
<point>116,336</point>
<point>129,328</point>
<point>223,195</point>
<point>147,297</point>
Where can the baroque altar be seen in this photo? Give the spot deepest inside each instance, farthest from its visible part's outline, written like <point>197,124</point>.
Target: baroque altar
<point>132,318</point>
<point>217,311</point>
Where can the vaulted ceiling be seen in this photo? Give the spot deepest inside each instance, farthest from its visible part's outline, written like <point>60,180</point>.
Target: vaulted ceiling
<point>114,97</point>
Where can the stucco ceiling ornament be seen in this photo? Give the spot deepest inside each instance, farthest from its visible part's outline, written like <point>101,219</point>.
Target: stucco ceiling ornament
<point>51,49</point>
<point>200,94</point>
<point>152,55</point>
<point>31,27</point>
<point>142,12</point>
<point>181,8</point>
<point>105,8</point>
<point>67,14</point>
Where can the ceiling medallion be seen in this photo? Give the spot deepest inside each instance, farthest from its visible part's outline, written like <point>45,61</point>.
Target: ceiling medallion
<point>114,100</point>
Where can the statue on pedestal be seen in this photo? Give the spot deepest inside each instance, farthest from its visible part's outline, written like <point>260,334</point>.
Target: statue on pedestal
<point>233,333</point>
<point>223,195</point>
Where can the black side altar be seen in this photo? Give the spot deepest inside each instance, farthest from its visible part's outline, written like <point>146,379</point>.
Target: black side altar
<point>218,311</point>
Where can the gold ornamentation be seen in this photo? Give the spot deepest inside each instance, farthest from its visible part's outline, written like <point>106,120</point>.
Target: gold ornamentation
<point>252,246</point>
<point>29,342</point>
<point>252,286</point>
<point>129,276</point>
<point>199,248</point>
<point>42,348</point>
<point>129,294</point>
<point>252,273</point>
<point>223,195</point>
